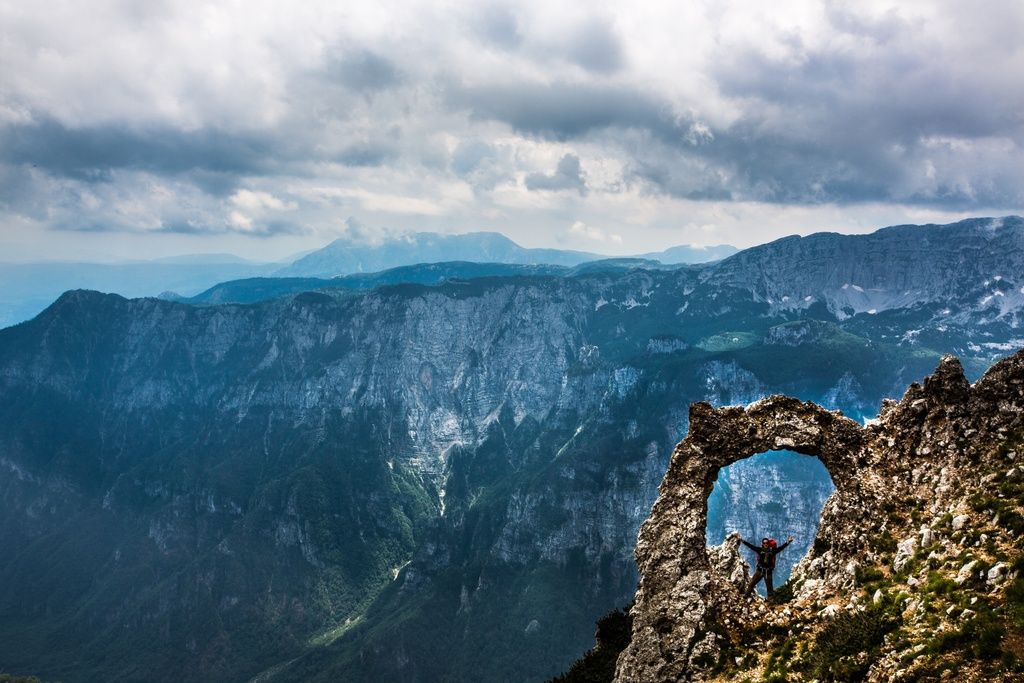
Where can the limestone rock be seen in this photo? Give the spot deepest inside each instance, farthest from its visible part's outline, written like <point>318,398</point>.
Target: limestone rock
<point>997,573</point>
<point>904,552</point>
<point>965,572</point>
<point>916,456</point>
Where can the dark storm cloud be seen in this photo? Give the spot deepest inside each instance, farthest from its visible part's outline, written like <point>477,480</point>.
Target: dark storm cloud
<point>748,161</point>
<point>563,111</point>
<point>411,114</point>
<point>367,154</point>
<point>901,97</point>
<point>595,47</point>
<point>567,176</point>
<point>838,125</point>
<point>258,229</point>
<point>497,25</point>
<point>745,161</point>
<point>832,127</point>
<point>92,153</point>
<point>364,71</point>
<point>216,183</point>
<point>213,160</point>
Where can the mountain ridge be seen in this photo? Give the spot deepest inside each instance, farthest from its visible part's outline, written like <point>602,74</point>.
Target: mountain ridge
<point>345,256</point>
<point>27,288</point>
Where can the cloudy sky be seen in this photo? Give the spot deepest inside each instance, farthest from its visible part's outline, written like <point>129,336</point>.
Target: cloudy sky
<point>139,129</point>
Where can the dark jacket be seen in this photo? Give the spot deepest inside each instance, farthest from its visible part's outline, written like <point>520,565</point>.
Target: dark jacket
<point>765,556</point>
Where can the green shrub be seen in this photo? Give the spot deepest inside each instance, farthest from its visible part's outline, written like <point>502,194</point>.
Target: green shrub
<point>868,574</point>
<point>845,649</point>
<point>614,632</point>
<point>885,542</point>
<point>980,636</point>
<point>1015,597</point>
<point>782,594</point>
<point>1011,489</point>
<point>938,584</point>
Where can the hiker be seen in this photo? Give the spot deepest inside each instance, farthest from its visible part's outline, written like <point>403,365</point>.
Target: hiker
<point>765,563</point>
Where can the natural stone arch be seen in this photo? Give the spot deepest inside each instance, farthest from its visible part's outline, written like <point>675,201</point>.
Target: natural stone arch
<point>679,591</point>
<point>773,493</point>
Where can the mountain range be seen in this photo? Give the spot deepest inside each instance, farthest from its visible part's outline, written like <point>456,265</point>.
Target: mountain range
<point>344,256</point>
<point>28,288</point>
<point>252,290</point>
<point>426,482</point>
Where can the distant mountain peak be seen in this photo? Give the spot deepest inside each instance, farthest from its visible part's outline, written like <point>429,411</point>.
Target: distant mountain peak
<point>346,256</point>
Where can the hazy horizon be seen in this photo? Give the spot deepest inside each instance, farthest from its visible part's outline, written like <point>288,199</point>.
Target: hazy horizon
<point>380,239</point>
<point>217,257</point>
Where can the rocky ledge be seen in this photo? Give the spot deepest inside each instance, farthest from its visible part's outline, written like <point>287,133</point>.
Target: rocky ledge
<point>915,573</point>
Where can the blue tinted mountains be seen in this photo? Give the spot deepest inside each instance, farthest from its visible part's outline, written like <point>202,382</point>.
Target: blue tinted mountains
<point>251,290</point>
<point>26,289</point>
<point>343,257</point>
<point>345,483</point>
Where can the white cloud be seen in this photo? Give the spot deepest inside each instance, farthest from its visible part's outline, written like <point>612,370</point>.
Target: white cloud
<point>250,200</point>
<point>240,220</point>
<point>590,232</point>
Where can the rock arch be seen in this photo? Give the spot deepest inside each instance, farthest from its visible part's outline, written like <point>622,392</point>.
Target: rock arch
<point>680,592</point>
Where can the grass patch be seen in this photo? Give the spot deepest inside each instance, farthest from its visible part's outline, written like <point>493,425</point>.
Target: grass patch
<point>868,574</point>
<point>778,662</point>
<point>938,584</point>
<point>980,637</point>
<point>727,341</point>
<point>1009,518</point>
<point>885,542</point>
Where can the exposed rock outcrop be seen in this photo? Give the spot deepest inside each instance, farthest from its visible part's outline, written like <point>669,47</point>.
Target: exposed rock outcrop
<point>945,447</point>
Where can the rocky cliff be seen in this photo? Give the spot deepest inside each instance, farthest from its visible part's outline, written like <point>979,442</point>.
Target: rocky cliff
<point>915,573</point>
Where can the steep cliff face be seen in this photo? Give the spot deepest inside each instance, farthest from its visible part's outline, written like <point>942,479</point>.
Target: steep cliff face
<point>915,569</point>
<point>229,483</point>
